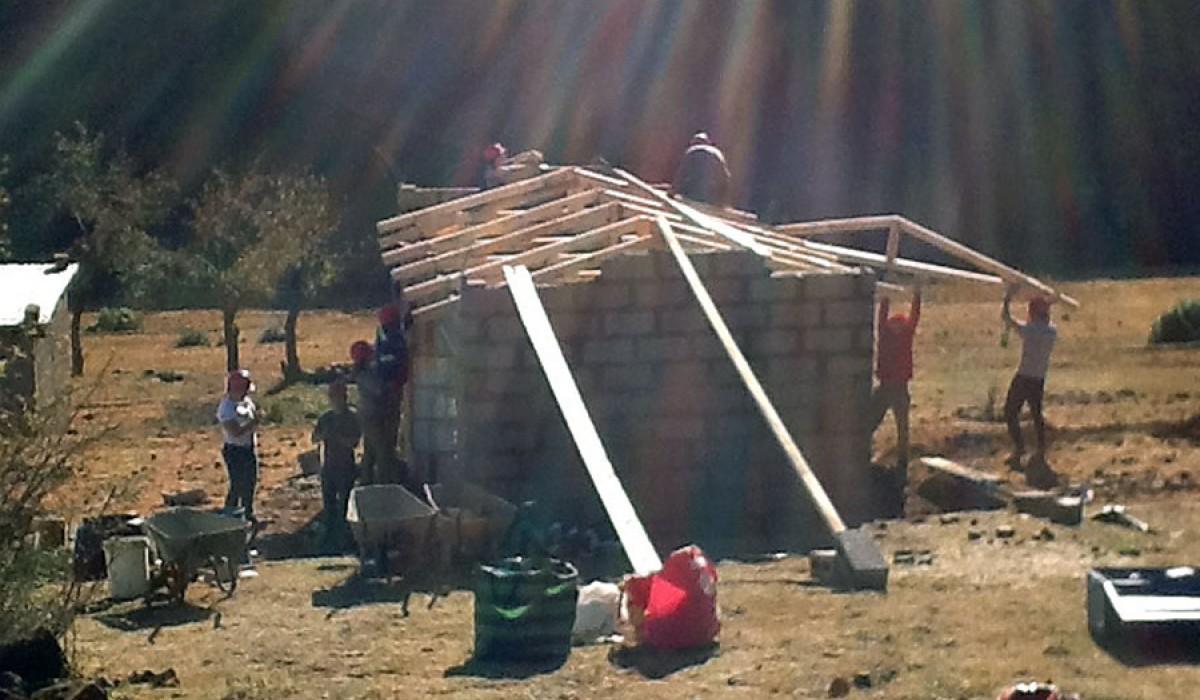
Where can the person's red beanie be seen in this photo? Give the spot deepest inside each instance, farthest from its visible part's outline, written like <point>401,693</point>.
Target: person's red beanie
<point>389,316</point>
<point>361,351</point>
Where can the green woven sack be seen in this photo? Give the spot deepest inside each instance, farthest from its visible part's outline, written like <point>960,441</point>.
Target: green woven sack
<point>524,609</point>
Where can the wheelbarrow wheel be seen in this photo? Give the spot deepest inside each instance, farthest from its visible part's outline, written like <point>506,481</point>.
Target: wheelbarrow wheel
<point>177,579</point>
<point>222,565</point>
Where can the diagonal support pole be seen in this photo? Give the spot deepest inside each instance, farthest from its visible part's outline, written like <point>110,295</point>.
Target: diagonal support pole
<point>863,564</point>
<point>616,502</point>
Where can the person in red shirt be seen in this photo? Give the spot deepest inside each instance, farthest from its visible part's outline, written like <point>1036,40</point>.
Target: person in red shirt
<point>894,369</point>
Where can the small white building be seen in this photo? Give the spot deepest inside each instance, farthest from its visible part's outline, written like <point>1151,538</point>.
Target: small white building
<point>35,344</point>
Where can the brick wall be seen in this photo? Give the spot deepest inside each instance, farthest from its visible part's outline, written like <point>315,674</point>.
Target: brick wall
<point>687,441</point>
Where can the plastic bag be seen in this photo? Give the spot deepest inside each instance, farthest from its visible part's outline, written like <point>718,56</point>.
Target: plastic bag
<point>596,612</point>
<point>676,608</point>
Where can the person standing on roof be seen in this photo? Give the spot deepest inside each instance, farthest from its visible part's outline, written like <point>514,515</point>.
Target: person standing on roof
<point>500,169</point>
<point>703,174</point>
<point>894,369</point>
<point>1028,385</point>
<point>238,417</point>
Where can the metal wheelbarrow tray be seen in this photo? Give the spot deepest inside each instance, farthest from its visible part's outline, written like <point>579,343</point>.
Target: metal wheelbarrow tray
<point>186,539</point>
<point>387,517</point>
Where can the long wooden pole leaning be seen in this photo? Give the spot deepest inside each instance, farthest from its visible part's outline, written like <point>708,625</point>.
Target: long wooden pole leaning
<point>630,532</point>
<point>811,484</point>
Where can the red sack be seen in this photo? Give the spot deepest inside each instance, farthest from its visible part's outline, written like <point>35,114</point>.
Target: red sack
<point>678,605</point>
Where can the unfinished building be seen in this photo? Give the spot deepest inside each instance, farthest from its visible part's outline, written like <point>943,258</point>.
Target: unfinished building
<point>694,455</point>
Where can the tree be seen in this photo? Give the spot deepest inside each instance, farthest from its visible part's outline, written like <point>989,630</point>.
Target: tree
<point>112,208</point>
<point>5,248</point>
<point>252,230</point>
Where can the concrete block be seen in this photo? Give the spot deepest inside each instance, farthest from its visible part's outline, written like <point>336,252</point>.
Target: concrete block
<point>771,289</point>
<point>433,404</point>
<point>633,376</point>
<point>849,313</point>
<point>614,351</point>
<point>679,428</point>
<point>864,339</point>
<point>435,436</point>
<point>561,297</point>
<point>775,342</point>
<point>825,287</point>
<point>725,291</point>
<point>668,269</point>
<point>618,323</point>
<point>504,330</point>
<point>850,366</point>
<point>612,295</point>
<point>500,356</point>
<point>738,264</point>
<point>705,346</point>
<point>634,266</point>
<point>663,348</point>
<point>682,321</point>
<point>483,302</point>
<point>829,340</point>
<point>741,317</point>
<point>661,293</point>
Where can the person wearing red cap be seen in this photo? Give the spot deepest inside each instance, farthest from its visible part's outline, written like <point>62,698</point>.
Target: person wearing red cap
<point>238,417</point>
<point>702,174</point>
<point>1029,383</point>
<point>392,366</point>
<point>338,433</point>
<point>894,369</point>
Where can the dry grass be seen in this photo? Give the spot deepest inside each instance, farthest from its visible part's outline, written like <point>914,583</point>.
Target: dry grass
<point>985,614</point>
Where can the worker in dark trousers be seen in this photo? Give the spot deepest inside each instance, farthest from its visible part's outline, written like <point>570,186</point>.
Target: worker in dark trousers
<point>894,370</point>
<point>703,174</point>
<point>338,432</point>
<point>238,417</point>
<point>371,391</point>
<point>1028,385</point>
<point>392,365</point>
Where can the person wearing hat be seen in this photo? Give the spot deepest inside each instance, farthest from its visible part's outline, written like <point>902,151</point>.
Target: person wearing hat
<point>238,417</point>
<point>500,169</point>
<point>703,174</point>
<point>392,366</point>
<point>338,432</point>
<point>894,370</point>
<point>1028,384</point>
<point>371,406</point>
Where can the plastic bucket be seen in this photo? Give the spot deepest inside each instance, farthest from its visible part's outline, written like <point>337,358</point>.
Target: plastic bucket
<point>128,560</point>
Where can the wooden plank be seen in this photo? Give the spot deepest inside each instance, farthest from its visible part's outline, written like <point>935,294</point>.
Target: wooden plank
<point>497,227</point>
<point>791,450</point>
<point>586,260</point>
<point>854,224</point>
<point>912,267</point>
<point>616,502</point>
<point>462,258</point>
<point>893,244</point>
<point>705,221</point>
<point>446,211</point>
<point>446,284</point>
<point>982,261</point>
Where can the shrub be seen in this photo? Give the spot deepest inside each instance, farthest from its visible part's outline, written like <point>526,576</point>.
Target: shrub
<point>36,456</point>
<point>1181,324</point>
<point>118,319</point>
<point>192,338</point>
<point>272,335</point>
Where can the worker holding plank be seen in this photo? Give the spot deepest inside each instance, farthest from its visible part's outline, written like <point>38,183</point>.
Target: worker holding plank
<point>894,369</point>
<point>1028,384</point>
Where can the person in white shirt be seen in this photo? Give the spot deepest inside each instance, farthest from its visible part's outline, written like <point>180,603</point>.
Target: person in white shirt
<point>238,417</point>
<point>1029,383</point>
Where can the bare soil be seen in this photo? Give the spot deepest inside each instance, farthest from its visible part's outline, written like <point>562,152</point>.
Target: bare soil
<point>986,612</point>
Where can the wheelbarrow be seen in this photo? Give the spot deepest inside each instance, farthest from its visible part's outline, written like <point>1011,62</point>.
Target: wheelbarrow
<point>386,518</point>
<point>187,540</point>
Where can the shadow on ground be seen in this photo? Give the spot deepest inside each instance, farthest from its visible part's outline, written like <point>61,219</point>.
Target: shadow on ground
<point>145,617</point>
<point>655,663</point>
<point>1179,646</point>
<point>511,670</point>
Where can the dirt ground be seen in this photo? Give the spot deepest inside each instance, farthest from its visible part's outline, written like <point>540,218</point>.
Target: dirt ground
<point>1125,419</point>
